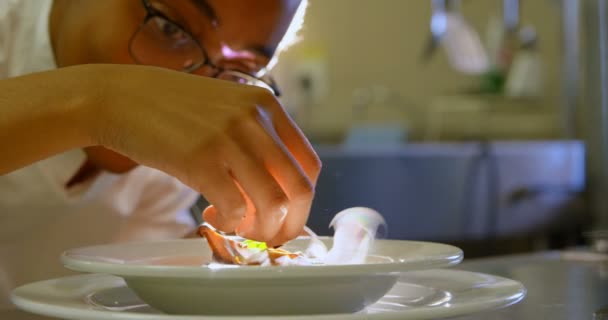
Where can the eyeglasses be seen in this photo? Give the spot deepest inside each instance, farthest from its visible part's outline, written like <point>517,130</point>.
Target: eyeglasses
<point>161,42</point>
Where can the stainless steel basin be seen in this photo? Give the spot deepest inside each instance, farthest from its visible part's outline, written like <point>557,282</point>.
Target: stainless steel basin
<point>453,191</point>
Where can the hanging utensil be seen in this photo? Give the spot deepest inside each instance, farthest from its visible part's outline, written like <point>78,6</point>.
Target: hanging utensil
<point>460,41</point>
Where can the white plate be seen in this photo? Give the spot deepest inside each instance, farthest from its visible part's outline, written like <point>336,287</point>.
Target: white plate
<point>173,277</point>
<point>186,258</point>
<point>426,294</point>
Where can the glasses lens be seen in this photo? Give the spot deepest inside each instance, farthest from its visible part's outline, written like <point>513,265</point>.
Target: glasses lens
<point>160,42</point>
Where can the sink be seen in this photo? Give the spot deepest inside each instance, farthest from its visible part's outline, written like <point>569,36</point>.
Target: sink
<point>453,191</point>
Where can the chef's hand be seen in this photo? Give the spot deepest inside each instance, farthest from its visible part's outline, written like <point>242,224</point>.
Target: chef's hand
<point>233,143</point>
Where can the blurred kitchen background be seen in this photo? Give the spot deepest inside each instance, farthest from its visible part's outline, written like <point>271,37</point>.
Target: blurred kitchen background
<point>475,122</point>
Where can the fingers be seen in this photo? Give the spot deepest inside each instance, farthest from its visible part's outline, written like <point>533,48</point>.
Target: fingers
<point>288,174</point>
<point>296,145</point>
<point>269,175</point>
<point>295,140</point>
<point>229,204</point>
<point>291,228</point>
<point>268,199</point>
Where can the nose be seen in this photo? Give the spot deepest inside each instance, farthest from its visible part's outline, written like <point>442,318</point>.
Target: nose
<point>218,57</point>
<point>224,56</point>
<point>230,54</point>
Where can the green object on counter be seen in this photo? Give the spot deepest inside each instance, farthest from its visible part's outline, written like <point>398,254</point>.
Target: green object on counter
<point>492,82</point>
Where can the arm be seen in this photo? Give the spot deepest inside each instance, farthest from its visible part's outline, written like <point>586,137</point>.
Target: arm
<point>233,143</point>
<point>40,115</point>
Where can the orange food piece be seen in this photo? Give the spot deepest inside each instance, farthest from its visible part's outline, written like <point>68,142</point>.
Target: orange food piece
<point>223,248</point>
<point>274,254</point>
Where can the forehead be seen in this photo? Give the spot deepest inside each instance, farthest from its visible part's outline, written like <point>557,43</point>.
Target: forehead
<point>262,22</point>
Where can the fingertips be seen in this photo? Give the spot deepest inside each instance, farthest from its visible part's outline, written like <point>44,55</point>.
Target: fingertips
<point>223,221</point>
<point>291,228</point>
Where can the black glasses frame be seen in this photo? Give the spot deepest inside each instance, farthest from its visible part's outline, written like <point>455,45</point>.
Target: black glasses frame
<point>151,13</point>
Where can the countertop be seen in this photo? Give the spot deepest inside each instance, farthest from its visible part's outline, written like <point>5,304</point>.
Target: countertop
<point>560,284</point>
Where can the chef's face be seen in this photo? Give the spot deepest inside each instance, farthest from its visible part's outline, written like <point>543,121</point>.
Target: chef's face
<point>179,34</point>
<point>199,36</point>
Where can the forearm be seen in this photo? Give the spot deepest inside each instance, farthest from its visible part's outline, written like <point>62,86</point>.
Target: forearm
<point>40,115</point>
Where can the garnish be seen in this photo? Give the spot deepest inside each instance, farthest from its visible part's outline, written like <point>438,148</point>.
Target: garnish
<point>252,244</point>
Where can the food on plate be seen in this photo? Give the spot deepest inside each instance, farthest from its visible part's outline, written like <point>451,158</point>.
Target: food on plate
<point>355,231</point>
<point>247,252</point>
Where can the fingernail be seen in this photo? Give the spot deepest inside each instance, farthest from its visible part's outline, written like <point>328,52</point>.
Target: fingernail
<point>281,213</point>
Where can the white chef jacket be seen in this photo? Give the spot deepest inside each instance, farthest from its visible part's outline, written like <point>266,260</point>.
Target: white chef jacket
<point>39,216</point>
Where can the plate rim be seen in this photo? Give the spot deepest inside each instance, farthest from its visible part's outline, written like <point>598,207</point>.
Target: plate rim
<point>426,312</point>
<point>451,256</point>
